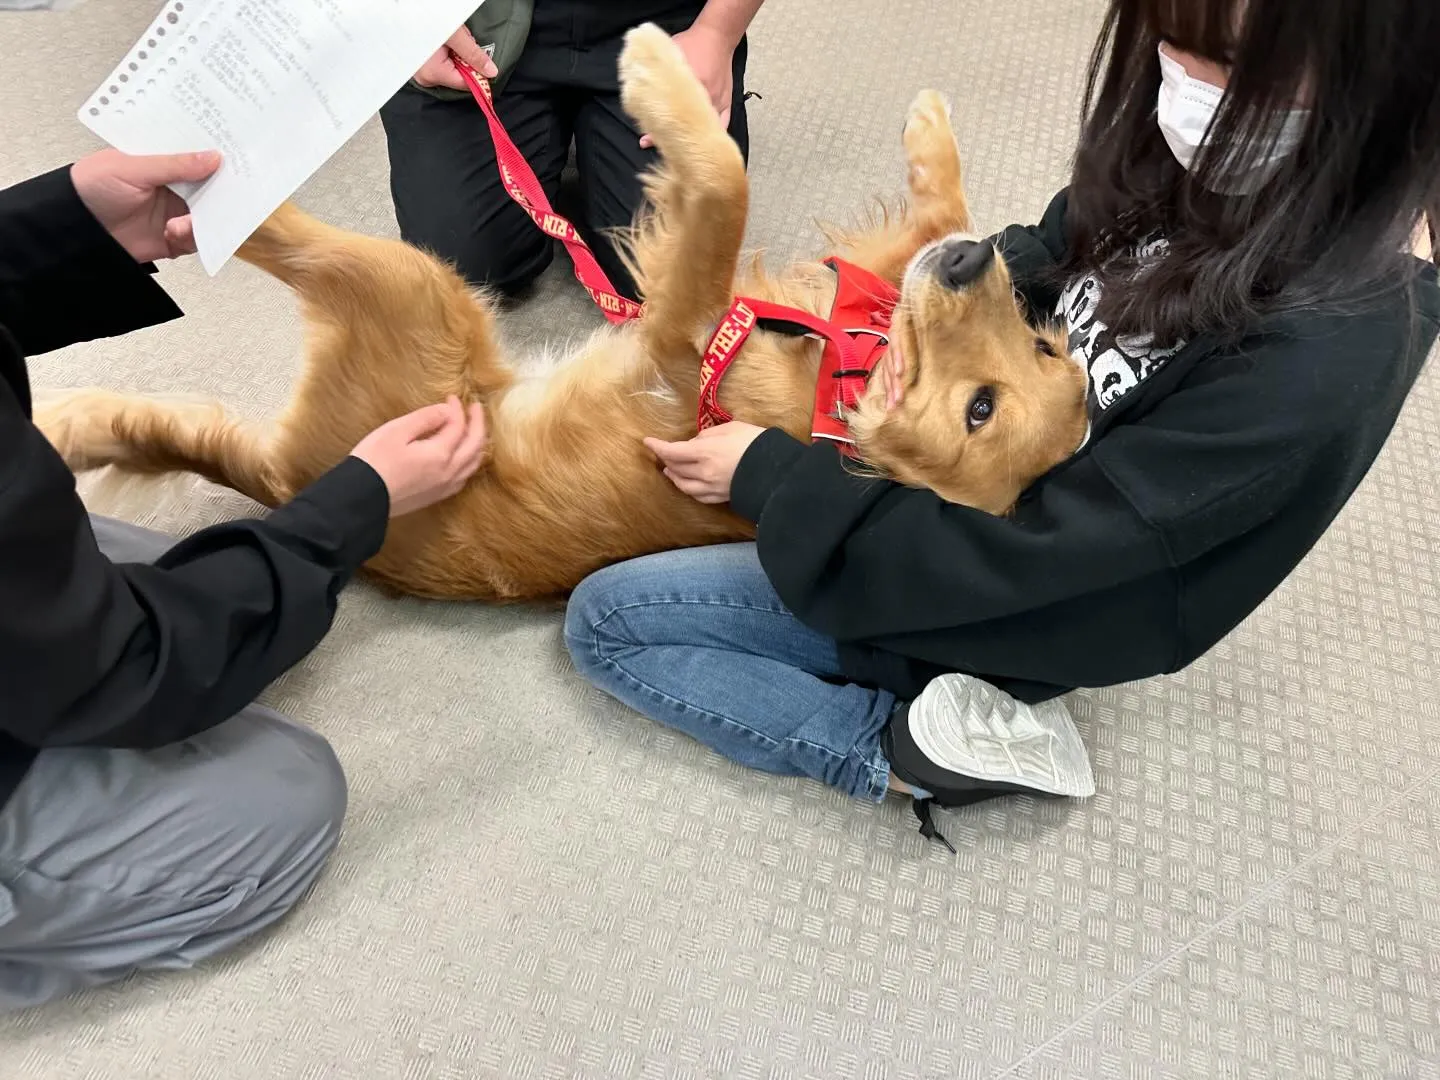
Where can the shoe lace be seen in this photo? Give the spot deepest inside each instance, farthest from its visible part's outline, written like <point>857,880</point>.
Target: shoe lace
<point>924,811</point>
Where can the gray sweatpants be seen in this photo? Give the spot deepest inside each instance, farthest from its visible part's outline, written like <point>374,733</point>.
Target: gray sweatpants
<point>117,860</point>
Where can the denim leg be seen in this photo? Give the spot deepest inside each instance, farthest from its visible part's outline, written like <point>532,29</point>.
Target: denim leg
<point>699,641</point>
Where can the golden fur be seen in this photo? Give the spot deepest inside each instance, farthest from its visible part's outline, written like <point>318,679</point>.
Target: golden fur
<point>567,486</point>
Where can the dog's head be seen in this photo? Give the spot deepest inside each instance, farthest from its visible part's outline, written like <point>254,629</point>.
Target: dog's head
<point>989,404</point>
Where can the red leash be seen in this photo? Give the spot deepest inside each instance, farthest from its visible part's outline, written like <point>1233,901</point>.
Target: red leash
<point>522,185</point>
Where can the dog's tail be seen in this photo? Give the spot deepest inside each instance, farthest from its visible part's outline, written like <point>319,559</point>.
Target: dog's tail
<point>95,428</point>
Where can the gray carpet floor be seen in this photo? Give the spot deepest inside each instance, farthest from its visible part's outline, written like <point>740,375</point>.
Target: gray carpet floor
<point>535,883</point>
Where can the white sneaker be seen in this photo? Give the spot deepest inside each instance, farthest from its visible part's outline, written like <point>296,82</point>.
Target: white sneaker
<point>963,740</point>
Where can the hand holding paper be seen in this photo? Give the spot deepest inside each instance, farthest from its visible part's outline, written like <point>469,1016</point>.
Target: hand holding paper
<point>276,86</point>
<point>131,198</point>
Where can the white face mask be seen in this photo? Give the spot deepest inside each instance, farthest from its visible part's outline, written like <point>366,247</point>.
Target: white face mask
<point>1185,110</point>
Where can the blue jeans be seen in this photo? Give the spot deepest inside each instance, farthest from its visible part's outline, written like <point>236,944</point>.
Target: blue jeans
<point>699,641</point>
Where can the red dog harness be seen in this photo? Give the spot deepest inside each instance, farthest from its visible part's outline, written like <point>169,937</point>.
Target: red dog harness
<point>856,336</point>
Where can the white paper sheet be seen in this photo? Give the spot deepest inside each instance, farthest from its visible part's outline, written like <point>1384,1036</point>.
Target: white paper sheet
<point>277,86</point>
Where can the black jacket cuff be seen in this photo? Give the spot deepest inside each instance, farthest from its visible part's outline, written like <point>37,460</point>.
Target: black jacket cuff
<point>53,232</point>
<point>63,278</point>
<point>762,468</point>
<point>352,501</point>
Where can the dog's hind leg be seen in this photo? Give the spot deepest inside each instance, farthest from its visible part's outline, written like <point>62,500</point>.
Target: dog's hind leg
<point>389,329</point>
<point>95,428</point>
<point>293,246</point>
<point>936,204</point>
<point>685,248</point>
<point>386,295</point>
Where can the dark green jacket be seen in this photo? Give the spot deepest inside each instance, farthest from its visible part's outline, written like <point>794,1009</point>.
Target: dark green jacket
<point>500,27</point>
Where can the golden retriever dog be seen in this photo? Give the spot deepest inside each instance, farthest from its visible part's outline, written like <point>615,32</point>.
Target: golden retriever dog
<point>989,404</point>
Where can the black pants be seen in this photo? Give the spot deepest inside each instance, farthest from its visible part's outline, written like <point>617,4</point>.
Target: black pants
<point>443,175</point>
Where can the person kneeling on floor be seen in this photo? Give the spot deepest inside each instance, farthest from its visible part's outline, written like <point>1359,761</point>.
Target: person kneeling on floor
<point>150,814</point>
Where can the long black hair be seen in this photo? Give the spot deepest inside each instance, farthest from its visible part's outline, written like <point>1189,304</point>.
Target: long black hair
<point>1329,227</point>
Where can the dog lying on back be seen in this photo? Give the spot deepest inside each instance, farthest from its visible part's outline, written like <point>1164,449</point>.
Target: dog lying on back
<point>989,404</point>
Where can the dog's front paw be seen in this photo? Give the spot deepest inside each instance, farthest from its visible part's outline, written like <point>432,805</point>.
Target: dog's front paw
<point>929,139</point>
<point>929,109</point>
<point>659,90</point>
<point>933,156</point>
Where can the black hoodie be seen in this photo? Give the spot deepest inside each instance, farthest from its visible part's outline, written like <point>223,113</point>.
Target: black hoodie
<point>95,653</point>
<point>1195,496</point>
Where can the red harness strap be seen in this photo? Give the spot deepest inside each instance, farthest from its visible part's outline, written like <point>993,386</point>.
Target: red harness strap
<point>856,337</point>
<point>522,186</point>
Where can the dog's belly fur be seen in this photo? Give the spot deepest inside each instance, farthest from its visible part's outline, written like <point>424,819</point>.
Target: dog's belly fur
<point>569,486</point>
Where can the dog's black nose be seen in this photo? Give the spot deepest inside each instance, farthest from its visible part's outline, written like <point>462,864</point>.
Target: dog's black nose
<point>962,262</point>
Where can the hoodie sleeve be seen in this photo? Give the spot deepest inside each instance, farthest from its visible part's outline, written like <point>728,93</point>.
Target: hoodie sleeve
<point>99,653</point>
<point>1269,438</point>
<point>863,559</point>
<point>1033,254</point>
<point>63,278</point>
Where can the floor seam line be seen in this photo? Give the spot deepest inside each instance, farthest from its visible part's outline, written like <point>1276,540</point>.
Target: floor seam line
<point>1269,889</point>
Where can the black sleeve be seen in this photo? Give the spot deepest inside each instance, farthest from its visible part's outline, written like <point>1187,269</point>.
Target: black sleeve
<point>96,653</point>
<point>1033,254</point>
<point>863,559</point>
<point>866,560</point>
<point>63,279</point>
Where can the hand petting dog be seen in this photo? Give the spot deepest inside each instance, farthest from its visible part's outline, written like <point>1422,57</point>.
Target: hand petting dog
<point>704,466</point>
<point>427,455</point>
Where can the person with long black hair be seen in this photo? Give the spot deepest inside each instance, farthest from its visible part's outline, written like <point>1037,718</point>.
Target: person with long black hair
<point>1232,260</point>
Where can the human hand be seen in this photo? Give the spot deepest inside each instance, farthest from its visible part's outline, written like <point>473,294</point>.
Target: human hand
<point>128,197</point>
<point>703,467</point>
<point>892,375</point>
<point>427,455</point>
<point>710,53</point>
<point>440,69</point>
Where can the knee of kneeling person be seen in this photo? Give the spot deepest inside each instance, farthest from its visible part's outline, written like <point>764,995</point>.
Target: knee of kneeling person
<point>304,798</point>
<point>510,272</point>
<point>320,803</point>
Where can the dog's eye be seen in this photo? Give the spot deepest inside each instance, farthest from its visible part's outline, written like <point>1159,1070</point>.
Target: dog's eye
<point>982,407</point>
<point>1044,347</point>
